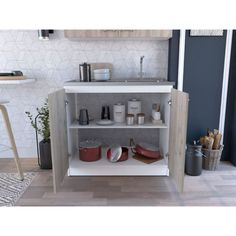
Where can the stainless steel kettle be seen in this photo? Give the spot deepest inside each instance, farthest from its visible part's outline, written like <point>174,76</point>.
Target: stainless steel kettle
<point>85,72</point>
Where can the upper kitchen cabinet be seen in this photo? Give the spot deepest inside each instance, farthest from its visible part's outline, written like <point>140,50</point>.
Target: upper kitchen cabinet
<point>122,34</point>
<point>156,34</point>
<point>83,34</point>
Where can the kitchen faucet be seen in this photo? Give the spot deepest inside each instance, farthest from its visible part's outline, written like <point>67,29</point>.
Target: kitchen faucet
<point>141,67</point>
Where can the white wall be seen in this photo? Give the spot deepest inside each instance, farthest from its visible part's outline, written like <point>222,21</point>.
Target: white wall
<point>55,61</point>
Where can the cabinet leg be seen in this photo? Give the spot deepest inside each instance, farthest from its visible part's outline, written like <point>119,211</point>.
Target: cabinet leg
<point>12,140</point>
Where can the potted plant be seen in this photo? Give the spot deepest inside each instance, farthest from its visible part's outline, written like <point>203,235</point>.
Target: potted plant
<point>41,125</point>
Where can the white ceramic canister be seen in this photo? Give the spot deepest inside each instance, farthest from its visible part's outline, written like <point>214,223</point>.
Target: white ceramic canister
<point>119,112</point>
<point>134,107</point>
<point>156,115</point>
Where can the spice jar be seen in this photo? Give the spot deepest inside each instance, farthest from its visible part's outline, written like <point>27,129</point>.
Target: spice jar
<point>130,119</point>
<point>140,118</point>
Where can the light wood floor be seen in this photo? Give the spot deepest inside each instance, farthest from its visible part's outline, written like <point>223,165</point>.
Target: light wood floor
<point>212,188</point>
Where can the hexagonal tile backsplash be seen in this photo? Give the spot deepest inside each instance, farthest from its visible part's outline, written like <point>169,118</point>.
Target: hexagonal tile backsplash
<point>57,60</point>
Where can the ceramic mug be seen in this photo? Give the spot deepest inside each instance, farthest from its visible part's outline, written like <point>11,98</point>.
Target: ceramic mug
<point>83,117</point>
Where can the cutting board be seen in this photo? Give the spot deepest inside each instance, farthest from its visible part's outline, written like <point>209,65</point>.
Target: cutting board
<point>144,159</point>
<point>12,77</point>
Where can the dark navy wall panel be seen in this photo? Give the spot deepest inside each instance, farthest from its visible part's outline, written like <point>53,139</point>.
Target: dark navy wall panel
<point>229,152</point>
<point>173,57</point>
<point>203,75</point>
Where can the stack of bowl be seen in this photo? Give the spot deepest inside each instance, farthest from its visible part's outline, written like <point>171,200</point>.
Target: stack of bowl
<point>102,74</point>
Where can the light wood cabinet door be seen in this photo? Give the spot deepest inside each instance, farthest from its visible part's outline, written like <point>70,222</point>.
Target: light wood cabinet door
<point>59,141</point>
<point>83,34</point>
<point>177,136</point>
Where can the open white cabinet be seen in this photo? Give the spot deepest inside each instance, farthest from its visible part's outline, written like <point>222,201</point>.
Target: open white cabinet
<point>66,133</point>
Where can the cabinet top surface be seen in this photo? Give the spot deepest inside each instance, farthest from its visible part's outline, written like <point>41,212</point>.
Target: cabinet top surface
<point>118,87</point>
<point>120,83</point>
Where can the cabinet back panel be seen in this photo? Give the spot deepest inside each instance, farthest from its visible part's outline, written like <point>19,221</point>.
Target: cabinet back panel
<point>94,102</point>
<point>120,136</point>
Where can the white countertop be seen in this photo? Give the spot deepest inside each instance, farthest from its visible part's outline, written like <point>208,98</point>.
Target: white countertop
<point>118,86</point>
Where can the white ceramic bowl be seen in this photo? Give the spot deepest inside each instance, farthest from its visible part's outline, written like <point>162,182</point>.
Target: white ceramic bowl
<point>101,71</point>
<point>101,76</point>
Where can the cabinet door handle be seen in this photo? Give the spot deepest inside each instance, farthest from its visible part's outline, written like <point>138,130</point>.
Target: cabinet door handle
<point>170,102</point>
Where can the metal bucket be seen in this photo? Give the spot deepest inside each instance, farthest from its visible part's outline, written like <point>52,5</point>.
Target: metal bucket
<point>193,160</point>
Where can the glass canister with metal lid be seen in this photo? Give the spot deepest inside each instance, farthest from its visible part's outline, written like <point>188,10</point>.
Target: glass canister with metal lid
<point>140,118</point>
<point>134,107</point>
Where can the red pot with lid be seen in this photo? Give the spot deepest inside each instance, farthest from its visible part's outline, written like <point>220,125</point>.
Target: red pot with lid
<point>90,150</point>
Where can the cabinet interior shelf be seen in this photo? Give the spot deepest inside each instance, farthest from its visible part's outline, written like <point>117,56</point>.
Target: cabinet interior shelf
<point>104,167</point>
<point>93,125</point>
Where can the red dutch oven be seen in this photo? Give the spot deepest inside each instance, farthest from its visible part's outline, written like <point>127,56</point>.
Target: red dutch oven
<point>90,150</point>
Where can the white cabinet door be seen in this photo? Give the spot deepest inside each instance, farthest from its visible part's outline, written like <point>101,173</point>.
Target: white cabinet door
<point>177,137</point>
<point>58,131</point>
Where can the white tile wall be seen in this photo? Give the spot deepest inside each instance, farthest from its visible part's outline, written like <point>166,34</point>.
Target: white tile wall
<point>57,60</point>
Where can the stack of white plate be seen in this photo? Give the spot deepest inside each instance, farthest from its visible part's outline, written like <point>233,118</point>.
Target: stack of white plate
<point>102,74</point>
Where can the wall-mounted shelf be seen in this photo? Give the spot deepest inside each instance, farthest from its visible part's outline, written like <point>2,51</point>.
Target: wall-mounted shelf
<point>22,81</point>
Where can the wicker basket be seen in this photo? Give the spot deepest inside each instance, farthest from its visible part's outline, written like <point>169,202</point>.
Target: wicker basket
<point>211,158</point>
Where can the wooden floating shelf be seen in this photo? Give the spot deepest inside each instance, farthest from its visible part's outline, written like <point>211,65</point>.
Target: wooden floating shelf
<point>16,81</point>
<point>93,125</point>
<point>12,78</point>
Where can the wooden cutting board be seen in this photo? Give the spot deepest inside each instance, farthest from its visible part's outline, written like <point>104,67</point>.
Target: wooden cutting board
<point>12,77</point>
<point>144,159</point>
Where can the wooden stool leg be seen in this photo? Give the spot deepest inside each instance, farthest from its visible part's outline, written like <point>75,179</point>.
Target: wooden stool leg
<point>12,140</point>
